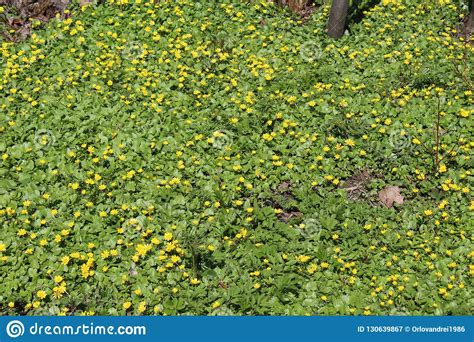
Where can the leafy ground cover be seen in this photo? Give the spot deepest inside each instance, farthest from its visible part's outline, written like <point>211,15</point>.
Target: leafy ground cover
<point>227,158</point>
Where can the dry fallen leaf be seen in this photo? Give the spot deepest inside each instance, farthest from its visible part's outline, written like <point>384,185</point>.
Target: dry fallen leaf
<point>24,32</point>
<point>390,195</point>
<point>84,2</point>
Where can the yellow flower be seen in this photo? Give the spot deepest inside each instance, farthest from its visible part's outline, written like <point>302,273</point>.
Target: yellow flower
<point>256,286</point>
<point>442,168</point>
<point>65,260</point>
<point>349,142</point>
<point>175,259</point>
<point>216,304</point>
<point>168,236</point>
<point>464,113</point>
<point>142,307</point>
<point>428,212</point>
<point>41,294</point>
<point>195,281</point>
<point>3,248</point>
<point>312,268</point>
<point>302,258</point>
<point>127,305</point>
<point>443,204</point>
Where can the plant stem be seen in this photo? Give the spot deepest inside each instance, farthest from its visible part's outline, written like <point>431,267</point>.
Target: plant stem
<point>437,138</point>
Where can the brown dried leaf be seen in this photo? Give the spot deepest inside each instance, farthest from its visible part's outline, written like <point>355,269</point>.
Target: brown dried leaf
<point>284,186</point>
<point>24,32</point>
<point>391,195</point>
<point>285,217</point>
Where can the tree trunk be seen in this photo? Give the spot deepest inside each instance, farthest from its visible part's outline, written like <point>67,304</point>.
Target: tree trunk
<point>470,22</point>
<point>337,18</point>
